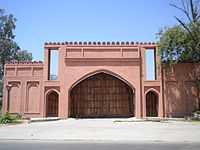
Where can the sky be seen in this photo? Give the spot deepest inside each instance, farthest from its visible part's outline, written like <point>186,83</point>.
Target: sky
<point>40,21</point>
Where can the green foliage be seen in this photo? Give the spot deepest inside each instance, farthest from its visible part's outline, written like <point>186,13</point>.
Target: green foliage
<point>176,45</point>
<point>24,55</point>
<point>8,118</point>
<point>197,112</point>
<point>172,44</point>
<point>181,43</point>
<point>9,50</point>
<point>8,47</point>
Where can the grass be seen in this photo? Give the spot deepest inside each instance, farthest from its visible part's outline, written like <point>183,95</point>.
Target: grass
<point>8,118</point>
<point>195,121</point>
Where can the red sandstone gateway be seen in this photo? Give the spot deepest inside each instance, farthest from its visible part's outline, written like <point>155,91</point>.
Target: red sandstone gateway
<point>99,79</point>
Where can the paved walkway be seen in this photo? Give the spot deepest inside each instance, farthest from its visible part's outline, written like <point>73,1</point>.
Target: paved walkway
<point>104,129</point>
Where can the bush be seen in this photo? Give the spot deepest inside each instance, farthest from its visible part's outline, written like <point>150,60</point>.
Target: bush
<point>8,118</point>
<point>197,112</point>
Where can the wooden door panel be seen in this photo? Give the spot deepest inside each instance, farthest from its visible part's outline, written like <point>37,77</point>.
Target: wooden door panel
<point>151,105</point>
<point>102,95</point>
<point>52,105</point>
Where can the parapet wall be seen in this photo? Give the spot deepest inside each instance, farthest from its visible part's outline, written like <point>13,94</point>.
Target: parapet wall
<point>181,94</point>
<point>103,43</point>
<point>24,81</point>
<point>23,69</point>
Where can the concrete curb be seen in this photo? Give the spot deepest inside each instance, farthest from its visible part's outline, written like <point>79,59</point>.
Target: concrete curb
<point>150,119</point>
<point>101,140</point>
<point>32,120</point>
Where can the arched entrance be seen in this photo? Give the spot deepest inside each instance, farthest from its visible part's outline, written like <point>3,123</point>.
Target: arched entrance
<point>52,104</point>
<point>151,104</point>
<point>101,95</point>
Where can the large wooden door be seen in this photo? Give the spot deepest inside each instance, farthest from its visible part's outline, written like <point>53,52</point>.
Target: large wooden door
<point>101,95</point>
<point>52,105</point>
<point>151,104</point>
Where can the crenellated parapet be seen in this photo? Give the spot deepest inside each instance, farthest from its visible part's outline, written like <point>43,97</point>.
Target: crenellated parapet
<point>100,43</point>
<point>23,68</point>
<point>23,62</point>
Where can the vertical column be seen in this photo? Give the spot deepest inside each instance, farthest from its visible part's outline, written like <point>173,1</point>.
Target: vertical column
<point>139,87</point>
<point>138,103</point>
<point>63,97</point>
<point>42,99</point>
<point>158,71</point>
<point>143,77</point>
<point>5,92</point>
<point>5,95</point>
<point>157,64</point>
<point>46,64</point>
<point>45,78</point>
<point>23,96</point>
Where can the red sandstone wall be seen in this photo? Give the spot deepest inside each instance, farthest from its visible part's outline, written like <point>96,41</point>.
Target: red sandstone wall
<point>85,59</point>
<point>76,63</point>
<point>31,85</point>
<point>26,96</point>
<point>180,90</point>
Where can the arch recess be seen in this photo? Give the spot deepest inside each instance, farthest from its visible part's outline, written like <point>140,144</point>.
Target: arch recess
<point>52,103</point>
<point>51,90</point>
<point>152,103</point>
<point>153,90</point>
<point>101,71</point>
<point>101,94</point>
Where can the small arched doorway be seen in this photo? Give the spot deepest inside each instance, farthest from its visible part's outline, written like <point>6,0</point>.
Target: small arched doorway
<point>52,104</point>
<point>151,104</point>
<point>101,96</point>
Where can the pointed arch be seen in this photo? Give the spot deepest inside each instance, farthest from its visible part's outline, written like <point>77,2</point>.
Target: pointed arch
<point>101,94</point>
<point>152,103</point>
<point>52,103</point>
<point>153,90</point>
<point>102,71</point>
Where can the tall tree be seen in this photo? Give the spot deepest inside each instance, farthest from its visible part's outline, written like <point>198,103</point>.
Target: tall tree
<point>8,47</point>
<point>9,50</point>
<point>191,10</point>
<point>181,43</point>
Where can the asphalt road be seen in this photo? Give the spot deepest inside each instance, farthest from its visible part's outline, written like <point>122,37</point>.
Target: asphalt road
<point>73,145</point>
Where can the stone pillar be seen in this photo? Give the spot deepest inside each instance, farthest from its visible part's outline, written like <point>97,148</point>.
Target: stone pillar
<point>138,104</point>
<point>45,78</point>
<point>63,97</point>
<point>5,96</point>
<point>157,64</point>
<point>143,77</point>
<point>159,77</point>
<point>46,64</point>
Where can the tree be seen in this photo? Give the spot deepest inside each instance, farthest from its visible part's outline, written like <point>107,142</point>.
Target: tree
<point>181,43</point>
<point>191,10</point>
<point>23,55</point>
<point>172,44</point>
<point>9,49</point>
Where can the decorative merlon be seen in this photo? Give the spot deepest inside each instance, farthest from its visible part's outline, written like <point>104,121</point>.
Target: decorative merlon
<point>103,43</point>
<point>24,62</point>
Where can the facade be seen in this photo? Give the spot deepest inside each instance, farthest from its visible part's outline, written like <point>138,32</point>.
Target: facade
<point>99,79</point>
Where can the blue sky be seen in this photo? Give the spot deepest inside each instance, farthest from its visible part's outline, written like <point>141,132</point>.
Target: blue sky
<point>39,21</point>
